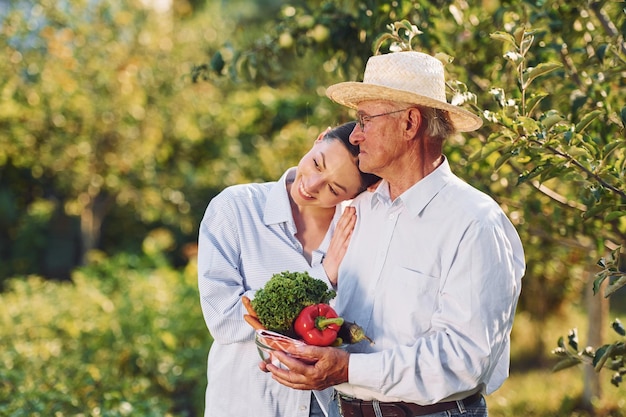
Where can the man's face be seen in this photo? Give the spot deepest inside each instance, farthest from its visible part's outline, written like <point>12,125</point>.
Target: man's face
<point>379,139</point>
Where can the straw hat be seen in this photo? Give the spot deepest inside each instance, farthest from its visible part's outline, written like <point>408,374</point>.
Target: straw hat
<point>408,77</point>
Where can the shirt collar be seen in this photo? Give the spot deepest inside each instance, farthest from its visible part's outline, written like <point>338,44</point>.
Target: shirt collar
<point>417,197</point>
<point>277,207</point>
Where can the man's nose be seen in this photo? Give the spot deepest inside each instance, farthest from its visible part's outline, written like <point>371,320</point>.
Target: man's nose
<point>356,136</point>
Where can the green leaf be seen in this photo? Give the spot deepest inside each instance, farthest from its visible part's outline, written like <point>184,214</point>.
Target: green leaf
<point>616,143</point>
<point>572,339</point>
<point>597,282</point>
<point>445,59</point>
<point>602,354</point>
<point>601,51</point>
<point>378,42</point>
<point>529,124</point>
<point>576,151</point>
<point>217,62</point>
<point>539,70</point>
<point>549,171</point>
<point>504,37</point>
<point>409,27</point>
<point>502,159</point>
<point>618,327</point>
<point>614,215</point>
<point>593,210</point>
<point>489,148</point>
<point>585,121</point>
<point>534,100</point>
<point>623,116</point>
<point>519,34</point>
<point>528,175</point>
<point>566,363</point>
<point>552,117</point>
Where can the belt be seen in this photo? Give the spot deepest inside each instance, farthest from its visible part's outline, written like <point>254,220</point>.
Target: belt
<point>359,408</point>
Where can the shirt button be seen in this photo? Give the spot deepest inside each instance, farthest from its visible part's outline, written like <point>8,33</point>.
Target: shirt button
<point>303,408</point>
<point>392,216</point>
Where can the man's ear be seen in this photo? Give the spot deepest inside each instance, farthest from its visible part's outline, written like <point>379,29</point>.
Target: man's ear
<point>413,122</point>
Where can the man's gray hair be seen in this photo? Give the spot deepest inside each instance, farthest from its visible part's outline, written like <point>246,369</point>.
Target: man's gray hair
<point>439,127</point>
<point>438,124</point>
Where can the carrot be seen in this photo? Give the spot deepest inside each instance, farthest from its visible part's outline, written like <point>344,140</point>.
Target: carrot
<point>254,322</point>
<point>248,305</point>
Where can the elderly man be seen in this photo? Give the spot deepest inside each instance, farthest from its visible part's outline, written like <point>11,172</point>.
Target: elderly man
<point>433,271</point>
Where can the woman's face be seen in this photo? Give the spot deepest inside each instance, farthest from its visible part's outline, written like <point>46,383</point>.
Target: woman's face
<point>326,175</point>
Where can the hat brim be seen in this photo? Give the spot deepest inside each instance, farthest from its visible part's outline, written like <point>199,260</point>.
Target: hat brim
<point>350,94</point>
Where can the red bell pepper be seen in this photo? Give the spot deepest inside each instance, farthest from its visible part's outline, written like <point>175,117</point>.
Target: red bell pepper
<point>318,325</point>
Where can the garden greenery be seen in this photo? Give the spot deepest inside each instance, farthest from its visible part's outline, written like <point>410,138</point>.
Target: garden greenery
<point>125,338</point>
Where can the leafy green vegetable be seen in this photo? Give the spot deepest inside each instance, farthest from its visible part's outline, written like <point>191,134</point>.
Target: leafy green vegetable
<point>284,296</point>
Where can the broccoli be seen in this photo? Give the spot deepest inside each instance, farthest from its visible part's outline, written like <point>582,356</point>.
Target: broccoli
<point>284,296</point>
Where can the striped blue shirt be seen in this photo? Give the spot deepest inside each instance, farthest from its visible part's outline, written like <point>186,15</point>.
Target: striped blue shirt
<point>247,235</point>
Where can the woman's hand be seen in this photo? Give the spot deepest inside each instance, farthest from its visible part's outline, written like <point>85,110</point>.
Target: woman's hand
<point>339,244</point>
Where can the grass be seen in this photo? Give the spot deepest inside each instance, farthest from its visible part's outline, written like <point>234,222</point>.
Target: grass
<point>533,390</point>
<point>541,393</point>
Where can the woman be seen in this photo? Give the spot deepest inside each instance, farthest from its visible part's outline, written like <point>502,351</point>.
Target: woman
<point>252,231</point>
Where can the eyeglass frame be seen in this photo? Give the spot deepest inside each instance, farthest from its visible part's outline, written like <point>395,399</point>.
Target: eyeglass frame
<point>364,118</point>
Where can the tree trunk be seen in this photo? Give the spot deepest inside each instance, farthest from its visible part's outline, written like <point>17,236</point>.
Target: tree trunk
<point>598,313</point>
<point>91,220</point>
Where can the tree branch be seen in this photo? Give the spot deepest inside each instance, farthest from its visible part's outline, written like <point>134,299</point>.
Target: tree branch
<point>580,166</point>
<point>606,22</point>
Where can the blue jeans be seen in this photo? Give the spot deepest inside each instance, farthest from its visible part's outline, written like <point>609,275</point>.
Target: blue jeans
<point>316,410</point>
<point>478,409</point>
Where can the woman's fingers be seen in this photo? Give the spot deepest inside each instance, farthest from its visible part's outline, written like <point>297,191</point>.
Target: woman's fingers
<point>339,244</point>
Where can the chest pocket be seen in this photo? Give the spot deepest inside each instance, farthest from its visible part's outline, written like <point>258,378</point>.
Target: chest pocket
<point>409,301</point>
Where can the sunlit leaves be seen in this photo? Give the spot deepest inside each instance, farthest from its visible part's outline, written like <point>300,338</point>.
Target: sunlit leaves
<point>612,271</point>
<point>122,334</point>
<point>104,114</point>
<point>531,73</point>
<point>504,37</point>
<point>401,36</point>
<point>587,119</point>
<point>609,356</point>
<point>566,363</point>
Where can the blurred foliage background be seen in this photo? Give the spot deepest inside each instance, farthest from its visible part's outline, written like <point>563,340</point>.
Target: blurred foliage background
<point>120,120</point>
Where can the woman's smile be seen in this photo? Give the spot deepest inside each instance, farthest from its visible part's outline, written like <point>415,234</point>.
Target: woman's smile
<point>303,191</point>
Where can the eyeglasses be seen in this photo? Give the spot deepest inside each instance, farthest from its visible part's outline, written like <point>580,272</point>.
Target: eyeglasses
<point>365,118</point>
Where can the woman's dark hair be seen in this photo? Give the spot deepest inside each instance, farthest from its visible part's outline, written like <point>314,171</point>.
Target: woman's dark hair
<point>342,133</point>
